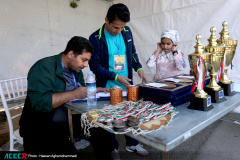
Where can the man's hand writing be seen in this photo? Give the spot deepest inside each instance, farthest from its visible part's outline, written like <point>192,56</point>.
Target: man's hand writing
<point>80,93</point>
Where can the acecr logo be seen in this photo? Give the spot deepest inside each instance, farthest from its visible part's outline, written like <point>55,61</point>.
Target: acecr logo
<point>15,156</point>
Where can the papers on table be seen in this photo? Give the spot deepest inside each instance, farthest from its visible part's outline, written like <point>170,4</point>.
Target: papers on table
<point>172,80</point>
<point>176,80</point>
<point>103,94</point>
<point>79,100</point>
<point>100,95</point>
<point>186,77</point>
<point>154,84</point>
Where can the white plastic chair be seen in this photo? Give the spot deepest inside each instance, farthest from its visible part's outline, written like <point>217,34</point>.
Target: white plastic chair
<point>13,94</point>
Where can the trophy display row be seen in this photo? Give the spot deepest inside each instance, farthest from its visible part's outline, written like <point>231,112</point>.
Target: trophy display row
<point>215,59</point>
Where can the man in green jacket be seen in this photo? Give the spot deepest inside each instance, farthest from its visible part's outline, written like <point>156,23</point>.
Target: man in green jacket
<point>53,81</point>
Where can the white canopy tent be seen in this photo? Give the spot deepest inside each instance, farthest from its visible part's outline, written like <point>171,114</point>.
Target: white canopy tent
<point>30,30</point>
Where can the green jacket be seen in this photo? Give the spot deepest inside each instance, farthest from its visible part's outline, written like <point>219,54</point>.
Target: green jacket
<point>44,78</point>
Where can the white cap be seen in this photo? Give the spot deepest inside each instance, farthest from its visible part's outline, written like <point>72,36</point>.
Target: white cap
<point>171,34</point>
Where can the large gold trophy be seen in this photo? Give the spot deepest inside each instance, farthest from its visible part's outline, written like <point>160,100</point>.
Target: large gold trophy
<point>200,100</point>
<point>217,52</point>
<point>231,45</point>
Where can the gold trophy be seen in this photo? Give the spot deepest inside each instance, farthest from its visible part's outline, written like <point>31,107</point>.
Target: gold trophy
<point>217,52</point>
<point>231,45</point>
<point>200,100</point>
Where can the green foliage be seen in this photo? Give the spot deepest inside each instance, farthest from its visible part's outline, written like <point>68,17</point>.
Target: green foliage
<point>74,4</point>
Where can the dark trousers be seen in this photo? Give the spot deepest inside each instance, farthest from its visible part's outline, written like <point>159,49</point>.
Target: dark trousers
<point>130,141</point>
<point>103,143</point>
<point>51,136</point>
<point>55,140</point>
<point>56,137</point>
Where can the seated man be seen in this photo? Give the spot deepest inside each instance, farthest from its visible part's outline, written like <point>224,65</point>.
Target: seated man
<point>53,81</point>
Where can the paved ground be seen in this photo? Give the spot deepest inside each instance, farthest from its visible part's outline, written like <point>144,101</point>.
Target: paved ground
<point>219,141</point>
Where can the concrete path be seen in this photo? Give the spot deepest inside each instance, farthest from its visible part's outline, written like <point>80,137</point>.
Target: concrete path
<point>221,140</point>
<point>224,141</point>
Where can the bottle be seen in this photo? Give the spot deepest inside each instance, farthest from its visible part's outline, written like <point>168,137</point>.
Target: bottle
<point>91,90</point>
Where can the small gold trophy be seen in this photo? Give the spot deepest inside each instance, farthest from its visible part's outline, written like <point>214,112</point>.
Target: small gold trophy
<point>217,52</point>
<point>231,45</point>
<point>200,100</point>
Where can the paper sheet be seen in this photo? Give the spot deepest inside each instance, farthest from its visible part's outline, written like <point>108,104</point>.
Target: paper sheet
<point>172,80</point>
<point>154,84</point>
<point>99,95</point>
<point>103,94</point>
<point>190,77</point>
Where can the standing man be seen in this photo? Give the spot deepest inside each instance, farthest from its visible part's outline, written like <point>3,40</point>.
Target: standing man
<point>115,56</point>
<point>53,81</point>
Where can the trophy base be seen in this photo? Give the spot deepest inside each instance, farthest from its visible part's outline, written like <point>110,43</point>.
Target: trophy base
<point>216,96</point>
<point>202,104</point>
<point>228,89</point>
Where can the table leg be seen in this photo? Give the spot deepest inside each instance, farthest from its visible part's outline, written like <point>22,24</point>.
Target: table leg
<point>165,155</point>
<point>70,125</point>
